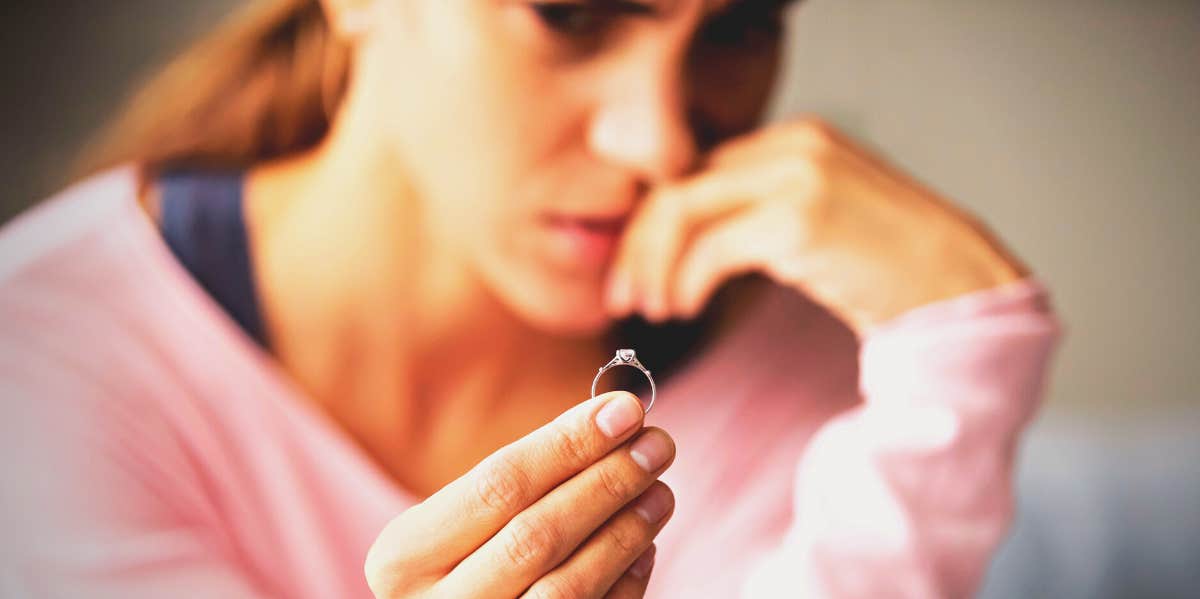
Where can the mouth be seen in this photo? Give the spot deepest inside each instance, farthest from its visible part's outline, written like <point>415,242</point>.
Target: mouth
<point>583,240</point>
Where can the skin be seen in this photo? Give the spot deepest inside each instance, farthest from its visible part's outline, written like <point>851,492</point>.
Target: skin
<point>567,511</point>
<point>416,229</point>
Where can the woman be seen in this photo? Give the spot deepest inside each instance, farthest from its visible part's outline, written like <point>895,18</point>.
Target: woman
<point>334,300</point>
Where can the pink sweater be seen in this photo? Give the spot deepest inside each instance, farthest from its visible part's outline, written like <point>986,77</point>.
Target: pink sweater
<point>151,449</point>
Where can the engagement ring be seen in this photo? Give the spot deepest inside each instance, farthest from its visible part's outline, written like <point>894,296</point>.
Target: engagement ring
<point>627,357</point>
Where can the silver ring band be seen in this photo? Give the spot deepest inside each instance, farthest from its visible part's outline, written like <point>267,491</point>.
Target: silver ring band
<point>627,357</point>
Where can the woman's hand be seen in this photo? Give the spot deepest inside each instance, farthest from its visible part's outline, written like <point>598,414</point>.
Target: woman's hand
<point>802,204</point>
<point>570,510</point>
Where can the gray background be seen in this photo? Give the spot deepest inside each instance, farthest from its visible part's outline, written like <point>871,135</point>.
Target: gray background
<point>1072,127</point>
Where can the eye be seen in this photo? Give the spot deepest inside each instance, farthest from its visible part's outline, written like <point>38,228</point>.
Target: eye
<point>572,19</point>
<point>745,25</point>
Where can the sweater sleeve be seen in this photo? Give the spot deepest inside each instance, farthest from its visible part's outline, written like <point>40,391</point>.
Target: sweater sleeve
<point>97,500</point>
<point>909,493</point>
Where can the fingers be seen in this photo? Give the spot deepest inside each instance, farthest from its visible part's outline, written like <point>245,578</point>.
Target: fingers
<point>604,559</point>
<point>632,584</point>
<point>645,278</point>
<point>810,135</point>
<point>541,537</point>
<point>460,517</point>
<point>660,231</point>
<point>654,238</point>
<point>750,242</point>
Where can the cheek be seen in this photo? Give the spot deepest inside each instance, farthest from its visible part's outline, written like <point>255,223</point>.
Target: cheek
<point>469,103</point>
<point>477,122</point>
<point>474,121</point>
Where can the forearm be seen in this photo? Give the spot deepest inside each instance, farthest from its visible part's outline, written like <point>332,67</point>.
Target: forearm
<point>909,493</point>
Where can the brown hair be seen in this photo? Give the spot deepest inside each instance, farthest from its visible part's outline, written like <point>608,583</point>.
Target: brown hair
<point>263,85</point>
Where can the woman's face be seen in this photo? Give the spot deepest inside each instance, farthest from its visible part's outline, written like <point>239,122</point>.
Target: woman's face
<point>530,129</point>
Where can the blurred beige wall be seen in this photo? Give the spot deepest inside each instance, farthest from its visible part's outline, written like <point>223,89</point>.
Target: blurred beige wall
<point>1072,127</point>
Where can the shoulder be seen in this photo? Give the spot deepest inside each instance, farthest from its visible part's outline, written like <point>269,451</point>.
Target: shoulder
<point>84,379</point>
<point>86,247</point>
<point>97,315</point>
<point>75,281</point>
<point>68,219</point>
<point>73,364</point>
<point>72,249</point>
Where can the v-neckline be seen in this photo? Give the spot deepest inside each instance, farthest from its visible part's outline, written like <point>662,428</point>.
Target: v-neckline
<point>188,295</point>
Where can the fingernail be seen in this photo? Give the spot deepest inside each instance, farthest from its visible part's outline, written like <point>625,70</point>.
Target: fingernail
<point>641,567</point>
<point>654,504</point>
<point>650,451</point>
<point>619,415</point>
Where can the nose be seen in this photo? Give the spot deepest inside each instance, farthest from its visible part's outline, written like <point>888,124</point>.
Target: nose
<point>642,123</point>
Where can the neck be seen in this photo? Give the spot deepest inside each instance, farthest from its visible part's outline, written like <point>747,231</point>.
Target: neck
<point>381,323</point>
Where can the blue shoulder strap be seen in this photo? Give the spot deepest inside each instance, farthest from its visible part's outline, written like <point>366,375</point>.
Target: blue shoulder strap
<point>204,225</point>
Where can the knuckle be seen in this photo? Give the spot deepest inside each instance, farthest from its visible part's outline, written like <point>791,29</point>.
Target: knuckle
<point>572,445</point>
<point>530,543</point>
<point>629,537</point>
<point>817,129</point>
<point>819,181</point>
<point>814,137</point>
<point>613,484</point>
<point>501,486</point>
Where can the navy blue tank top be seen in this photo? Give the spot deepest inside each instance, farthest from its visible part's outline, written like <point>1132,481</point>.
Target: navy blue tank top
<point>203,222</point>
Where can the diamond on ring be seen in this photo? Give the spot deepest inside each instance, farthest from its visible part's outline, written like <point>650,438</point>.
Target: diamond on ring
<point>627,357</point>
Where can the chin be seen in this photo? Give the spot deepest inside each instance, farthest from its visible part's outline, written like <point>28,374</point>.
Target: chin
<point>571,321</point>
<point>555,304</point>
<point>563,315</point>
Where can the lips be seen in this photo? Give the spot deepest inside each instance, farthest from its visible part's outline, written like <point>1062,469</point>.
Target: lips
<point>597,223</point>
<point>586,241</point>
